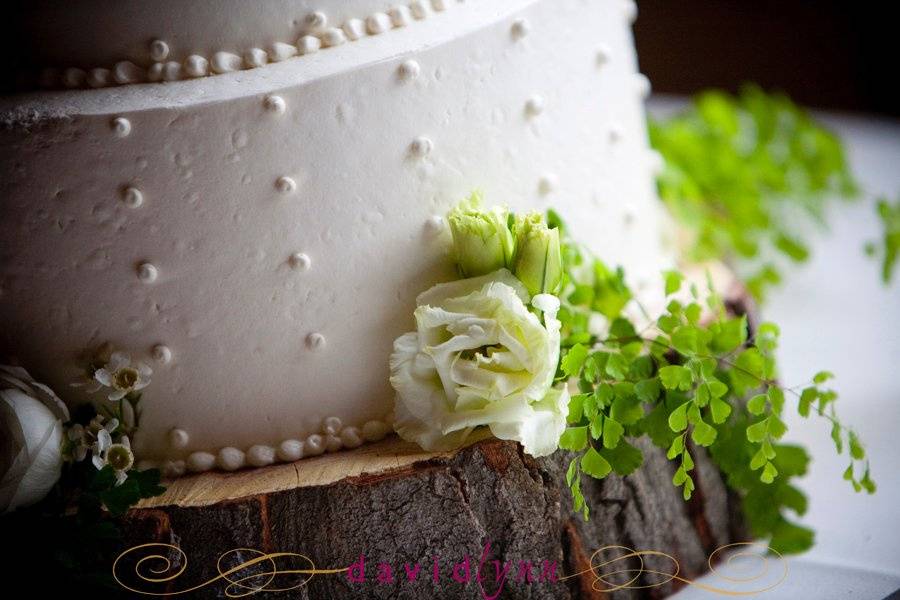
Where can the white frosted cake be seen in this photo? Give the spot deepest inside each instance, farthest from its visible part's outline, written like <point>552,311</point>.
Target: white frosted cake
<point>254,194</point>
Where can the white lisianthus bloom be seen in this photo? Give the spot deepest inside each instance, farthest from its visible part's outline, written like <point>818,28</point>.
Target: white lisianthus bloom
<point>31,435</point>
<point>480,357</point>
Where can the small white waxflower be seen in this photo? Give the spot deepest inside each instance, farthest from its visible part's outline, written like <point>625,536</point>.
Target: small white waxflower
<point>81,440</point>
<point>117,455</point>
<point>122,377</point>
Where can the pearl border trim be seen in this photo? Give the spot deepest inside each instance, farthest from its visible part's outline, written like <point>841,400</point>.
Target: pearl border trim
<point>318,35</point>
<point>333,436</point>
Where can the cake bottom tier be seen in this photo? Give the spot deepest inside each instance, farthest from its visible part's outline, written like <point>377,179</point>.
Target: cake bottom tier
<point>389,521</point>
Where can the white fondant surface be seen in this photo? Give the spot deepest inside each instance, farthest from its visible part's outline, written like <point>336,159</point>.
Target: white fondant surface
<point>259,351</point>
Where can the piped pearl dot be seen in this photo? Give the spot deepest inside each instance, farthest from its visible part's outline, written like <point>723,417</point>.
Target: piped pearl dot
<point>162,354</point>
<point>171,71</point>
<point>198,462</point>
<point>127,72</point>
<point>230,459</point>
<point>534,106</point>
<point>333,443</point>
<point>290,450</point>
<point>408,70</point>
<point>178,439</point>
<point>332,425</point>
<point>226,62</point>
<point>159,50</point>
<point>315,341</point>
<point>121,126</point>
<point>354,29</point>
<point>173,468</point>
<point>642,85</point>
<point>275,104</point>
<point>255,58</point>
<point>378,23</point>
<point>260,456</point>
<point>350,437</point>
<point>421,147</point>
<point>314,445</point>
<point>315,21</point>
<point>98,78</point>
<point>547,183</point>
<point>285,185</point>
<point>147,273</point>
<point>280,51</point>
<point>308,44</point>
<point>604,54</point>
<point>519,29</point>
<point>400,15</point>
<point>438,5</point>
<point>372,431</point>
<point>300,261</point>
<point>434,225</point>
<point>132,197</point>
<point>196,66</point>
<point>419,9</point>
<point>155,72</point>
<point>333,37</point>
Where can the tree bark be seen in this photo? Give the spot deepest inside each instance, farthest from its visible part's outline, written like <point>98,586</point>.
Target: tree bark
<point>392,503</point>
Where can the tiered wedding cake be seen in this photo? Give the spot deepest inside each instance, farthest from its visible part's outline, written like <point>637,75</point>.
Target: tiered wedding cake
<point>253,196</point>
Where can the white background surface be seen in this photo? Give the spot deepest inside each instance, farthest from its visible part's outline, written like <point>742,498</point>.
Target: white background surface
<point>835,314</point>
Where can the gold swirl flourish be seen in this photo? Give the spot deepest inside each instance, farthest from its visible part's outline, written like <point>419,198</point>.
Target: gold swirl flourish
<point>602,580</point>
<point>153,568</point>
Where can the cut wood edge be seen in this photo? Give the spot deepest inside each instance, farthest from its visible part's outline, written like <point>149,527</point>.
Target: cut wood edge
<point>375,460</point>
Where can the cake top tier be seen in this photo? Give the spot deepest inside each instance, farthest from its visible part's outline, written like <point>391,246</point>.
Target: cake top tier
<point>111,42</point>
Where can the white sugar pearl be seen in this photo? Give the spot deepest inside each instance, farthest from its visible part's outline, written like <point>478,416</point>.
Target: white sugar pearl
<point>290,450</point>
<point>198,462</point>
<point>308,44</point>
<point>255,58</point>
<point>373,431</point>
<point>230,459</point>
<point>260,456</point>
<point>178,439</point>
<point>333,443</point>
<point>162,354</point>
<point>350,437</point>
<point>285,185</point>
<point>332,425</point>
<point>159,50</point>
<point>314,445</point>
<point>121,126</point>
<point>132,197</point>
<point>147,272</point>
<point>408,70</point>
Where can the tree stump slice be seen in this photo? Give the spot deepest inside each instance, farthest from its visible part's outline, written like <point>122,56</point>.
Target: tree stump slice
<point>394,503</point>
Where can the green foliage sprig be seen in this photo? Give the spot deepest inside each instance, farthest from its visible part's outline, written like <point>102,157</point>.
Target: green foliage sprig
<point>735,166</point>
<point>888,247</point>
<point>693,377</point>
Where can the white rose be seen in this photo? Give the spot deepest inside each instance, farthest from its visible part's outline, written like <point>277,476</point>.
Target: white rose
<point>480,357</point>
<point>31,435</point>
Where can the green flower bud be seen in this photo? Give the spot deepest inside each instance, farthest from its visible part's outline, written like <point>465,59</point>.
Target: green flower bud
<point>539,258</point>
<point>482,239</point>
